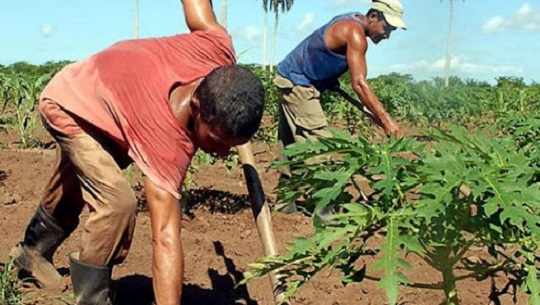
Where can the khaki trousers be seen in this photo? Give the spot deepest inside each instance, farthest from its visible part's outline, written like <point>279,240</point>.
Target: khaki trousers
<point>88,171</point>
<point>301,117</point>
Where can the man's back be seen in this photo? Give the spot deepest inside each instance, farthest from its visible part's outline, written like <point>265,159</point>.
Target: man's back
<point>312,63</point>
<point>124,91</point>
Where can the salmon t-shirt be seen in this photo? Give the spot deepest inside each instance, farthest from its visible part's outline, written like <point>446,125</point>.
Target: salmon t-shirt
<point>124,91</point>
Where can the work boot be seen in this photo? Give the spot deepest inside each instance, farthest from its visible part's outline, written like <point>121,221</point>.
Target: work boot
<point>90,283</point>
<point>34,254</point>
<point>285,207</point>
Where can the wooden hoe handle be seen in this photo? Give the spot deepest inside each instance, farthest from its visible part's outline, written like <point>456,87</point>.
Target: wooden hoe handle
<point>261,211</point>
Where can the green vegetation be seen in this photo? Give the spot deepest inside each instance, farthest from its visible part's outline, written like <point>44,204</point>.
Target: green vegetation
<point>23,94</point>
<point>471,186</point>
<point>20,87</point>
<point>420,104</point>
<point>464,191</point>
<point>10,291</point>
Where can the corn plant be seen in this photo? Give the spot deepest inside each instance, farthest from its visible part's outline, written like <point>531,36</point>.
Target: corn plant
<point>10,291</point>
<point>268,130</point>
<point>231,162</point>
<point>3,92</point>
<point>3,98</point>
<point>128,173</point>
<point>23,92</point>
<point>465,191</point>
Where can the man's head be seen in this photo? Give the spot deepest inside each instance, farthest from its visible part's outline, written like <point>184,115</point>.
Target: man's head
<point>384,17</point>
<point>227,109</point>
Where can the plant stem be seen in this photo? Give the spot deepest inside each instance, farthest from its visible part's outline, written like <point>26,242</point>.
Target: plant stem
<point>434,286</point>
<point>462,252</point>
<point>485,272</point>
<point>449,286</point>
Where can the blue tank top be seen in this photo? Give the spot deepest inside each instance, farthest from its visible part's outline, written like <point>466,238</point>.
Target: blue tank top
<point>311,63</point>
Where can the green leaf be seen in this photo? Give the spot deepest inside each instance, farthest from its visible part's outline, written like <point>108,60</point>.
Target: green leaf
<point>411,244</point>
<point>390,262</point>
<point>301,245</point>
<point>532,284</point>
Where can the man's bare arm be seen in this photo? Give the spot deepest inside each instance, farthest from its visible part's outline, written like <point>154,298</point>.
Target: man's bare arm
<point>199,15</point>
<point>168,260</point>
<point>357,104</point>
<point>356,58</point>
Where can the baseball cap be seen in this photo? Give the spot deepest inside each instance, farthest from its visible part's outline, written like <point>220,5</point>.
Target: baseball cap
<point>392,11</point>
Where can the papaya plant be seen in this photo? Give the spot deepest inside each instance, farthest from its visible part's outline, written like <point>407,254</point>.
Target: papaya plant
<point>435,203</point>
<point>524,130</point>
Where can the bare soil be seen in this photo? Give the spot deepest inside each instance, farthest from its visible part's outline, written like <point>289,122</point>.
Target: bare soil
<point>219,240</point>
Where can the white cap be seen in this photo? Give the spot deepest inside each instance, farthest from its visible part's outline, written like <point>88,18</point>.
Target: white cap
<point>392,11</point>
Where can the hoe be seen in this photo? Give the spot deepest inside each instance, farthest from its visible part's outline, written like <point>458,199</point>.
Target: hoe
<point>261,212</point>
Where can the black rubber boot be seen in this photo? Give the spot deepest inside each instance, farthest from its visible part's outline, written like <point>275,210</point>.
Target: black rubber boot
<point>90,283</point>
<point>285,207</point>
<point>34,254</point>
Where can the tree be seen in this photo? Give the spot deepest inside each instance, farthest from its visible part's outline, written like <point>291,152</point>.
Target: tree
<point>136,22</point>
<point>277,6</point>
<point>223,20</point>
<point>449,45</point>
<point>265,33</point>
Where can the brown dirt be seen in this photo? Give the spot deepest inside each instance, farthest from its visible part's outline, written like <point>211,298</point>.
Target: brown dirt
<point>219,240</point>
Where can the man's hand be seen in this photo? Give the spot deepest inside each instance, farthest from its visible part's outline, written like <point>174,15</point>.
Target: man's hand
<point>168,260</point>
<point>393,129</point>
<point>199,15</point>
<point>390,127</point>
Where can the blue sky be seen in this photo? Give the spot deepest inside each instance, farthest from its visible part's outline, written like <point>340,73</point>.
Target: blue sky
<point>491,38</point>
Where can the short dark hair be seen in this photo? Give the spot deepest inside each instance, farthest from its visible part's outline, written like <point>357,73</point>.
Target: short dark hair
<point>380,15</point>
<point>232,100</point>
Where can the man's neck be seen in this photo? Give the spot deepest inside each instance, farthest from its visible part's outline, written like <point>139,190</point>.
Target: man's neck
<point>363,21</point>
<point>180,100</point>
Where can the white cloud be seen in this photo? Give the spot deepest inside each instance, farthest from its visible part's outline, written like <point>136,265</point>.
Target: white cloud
<point>47,30</point>
<point>251,33</point>
<point>525,9</point>
<point>306,23</point>
<point>525,18</point>
<point>494,24</point>
<point>459,66</point>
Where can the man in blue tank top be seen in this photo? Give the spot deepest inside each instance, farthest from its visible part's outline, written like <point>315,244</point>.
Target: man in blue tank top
<point>316,65</point>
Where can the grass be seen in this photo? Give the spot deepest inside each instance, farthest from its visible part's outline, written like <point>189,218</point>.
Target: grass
<point>69,299</point>
<point>10,290</point>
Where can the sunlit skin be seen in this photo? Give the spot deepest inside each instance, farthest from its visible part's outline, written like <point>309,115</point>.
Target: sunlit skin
<point>165,212</point>
<point>379,31</point>
<point>168,260</point>
<point>186,107</point>
<point>214,141</point>
<point>349,38</point>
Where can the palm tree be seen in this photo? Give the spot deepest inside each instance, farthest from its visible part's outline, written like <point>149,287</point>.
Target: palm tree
<point>265,32</point>
<point>224,13</point>
<point>278,6</point>
<point>136,23</point>
<point>449,46</point>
